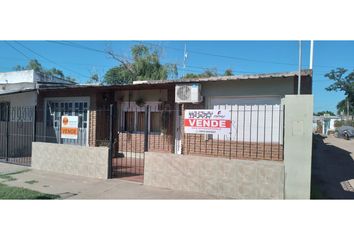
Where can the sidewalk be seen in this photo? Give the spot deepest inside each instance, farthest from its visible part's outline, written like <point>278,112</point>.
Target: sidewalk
<point>74,187</point>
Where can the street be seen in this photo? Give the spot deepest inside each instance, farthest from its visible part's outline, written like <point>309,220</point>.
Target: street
<point>333,167</point>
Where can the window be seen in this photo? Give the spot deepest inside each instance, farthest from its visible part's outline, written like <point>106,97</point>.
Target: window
<point>129,121</point>
<point>140,124</point>
<point>4,111</point>
<point>155,122</point>
<point>133,118</point>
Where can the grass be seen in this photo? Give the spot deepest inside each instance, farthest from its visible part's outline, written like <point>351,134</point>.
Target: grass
<point>8,192</point>
<point>8,176</point>
<point>31,182</point>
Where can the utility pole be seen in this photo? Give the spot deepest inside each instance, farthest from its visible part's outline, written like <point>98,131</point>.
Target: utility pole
<point>347,108</point>
<point>299,77</point>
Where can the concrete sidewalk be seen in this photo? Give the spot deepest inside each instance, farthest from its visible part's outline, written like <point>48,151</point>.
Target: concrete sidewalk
<point>74,187</point>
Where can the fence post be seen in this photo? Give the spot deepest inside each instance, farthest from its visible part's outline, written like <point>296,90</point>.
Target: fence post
<point>146,129</point>
<point>34,124</point>
<point>110,154</point>
<point>7,131</point>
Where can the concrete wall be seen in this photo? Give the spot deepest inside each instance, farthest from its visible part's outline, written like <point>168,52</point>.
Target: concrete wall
<point>298,145</point>
<point>17,76</point>
<point>242,179</point>
<point>256,87</point>
<point>68,159</point>
<point>26,99</point>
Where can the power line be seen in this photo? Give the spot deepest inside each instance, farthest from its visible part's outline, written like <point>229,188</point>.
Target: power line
<point>238,58</point>
<point>49,60</point>
<point>17,50</point>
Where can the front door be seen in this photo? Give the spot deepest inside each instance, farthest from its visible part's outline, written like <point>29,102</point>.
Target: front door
<point>58,108</point>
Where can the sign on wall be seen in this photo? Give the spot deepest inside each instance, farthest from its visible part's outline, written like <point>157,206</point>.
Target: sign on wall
<point>207,121</point>
<point>69,127</point>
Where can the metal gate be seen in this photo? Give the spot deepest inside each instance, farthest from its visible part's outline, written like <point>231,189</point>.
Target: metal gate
<point>128,145</point>
<point>16,134</point>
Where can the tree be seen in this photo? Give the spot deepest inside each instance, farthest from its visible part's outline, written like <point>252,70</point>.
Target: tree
<point>228,72</point>
<point>35,65</point>
<point>324,112</point>
<point>345,83</point>
<point>94,79</point>
<point>144,65</point>
<point>55,72</point>
<point>207,73</point>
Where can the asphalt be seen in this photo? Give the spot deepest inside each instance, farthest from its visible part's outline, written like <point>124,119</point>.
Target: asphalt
<point>75,187</point>
<point>333,167</point>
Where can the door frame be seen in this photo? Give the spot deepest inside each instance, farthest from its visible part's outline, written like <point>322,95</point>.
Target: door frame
<point>68,99</point>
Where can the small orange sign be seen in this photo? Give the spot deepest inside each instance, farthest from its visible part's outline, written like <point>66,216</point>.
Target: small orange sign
<point>69,131</point>
<point>69,127</point>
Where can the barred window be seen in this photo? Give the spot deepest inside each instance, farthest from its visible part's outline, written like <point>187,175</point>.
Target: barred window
<point>140,124</point>
<point>129,121</point>
<point>155,122</point>
<point>4,111</point>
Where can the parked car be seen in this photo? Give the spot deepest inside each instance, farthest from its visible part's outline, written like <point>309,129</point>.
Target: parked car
<point>345,132</point>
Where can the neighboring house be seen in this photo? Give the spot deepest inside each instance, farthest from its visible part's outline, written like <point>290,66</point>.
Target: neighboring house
<point>18,97</point>
<point>325,124</point>
<point>18,88</point>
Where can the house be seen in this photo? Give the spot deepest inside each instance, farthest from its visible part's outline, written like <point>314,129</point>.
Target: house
<point>18,98</point>
<point>325,124</point>
<point>140,128</point>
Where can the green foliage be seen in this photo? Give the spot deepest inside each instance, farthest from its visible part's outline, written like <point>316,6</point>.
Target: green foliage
<point>339,123</point>
<point>324,112</point>
<point>228,72</point>
<point>7,192</point>
<point>35,65</point>
<point>94,78</point>
<point>145,65</point>
<point>344,82</point>
<point>207,73</point>
<point>55,72</point>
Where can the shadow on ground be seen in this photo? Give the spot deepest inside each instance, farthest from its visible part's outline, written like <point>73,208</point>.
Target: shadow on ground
<point>332,167</point>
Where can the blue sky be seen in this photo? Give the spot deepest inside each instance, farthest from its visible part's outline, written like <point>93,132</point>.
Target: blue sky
<point>81,59</point>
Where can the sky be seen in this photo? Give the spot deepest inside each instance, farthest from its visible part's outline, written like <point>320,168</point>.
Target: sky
<point>81,59</point>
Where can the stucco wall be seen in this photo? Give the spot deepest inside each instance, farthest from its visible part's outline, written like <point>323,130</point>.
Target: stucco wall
<point>20,99</point>
<point>68,159</point>
<point>298,145</point>
<point>17,76</point>
<point>256,87</point>
<point>242,179</point>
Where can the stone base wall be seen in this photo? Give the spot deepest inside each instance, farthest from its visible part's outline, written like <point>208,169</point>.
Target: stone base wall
<point>74,160</point>
<point>241,179</point>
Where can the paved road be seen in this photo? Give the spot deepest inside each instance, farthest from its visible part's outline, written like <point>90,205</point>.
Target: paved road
<point>333,167</point>
<point>74,187</point>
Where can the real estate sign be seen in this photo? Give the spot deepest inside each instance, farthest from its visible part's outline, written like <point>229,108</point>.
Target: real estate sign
<point>207,121</point>
<point>69,127</point>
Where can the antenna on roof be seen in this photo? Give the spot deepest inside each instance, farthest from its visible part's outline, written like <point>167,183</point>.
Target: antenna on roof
<point>185,57</point>
<point>311,54</point>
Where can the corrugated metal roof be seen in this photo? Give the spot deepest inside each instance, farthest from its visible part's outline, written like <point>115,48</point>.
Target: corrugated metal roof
<point>167,83</point>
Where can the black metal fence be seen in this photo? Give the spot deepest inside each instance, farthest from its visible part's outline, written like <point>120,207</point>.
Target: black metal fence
<point>141,129</point>
<point>256,133</point>
<point>16,134</point>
